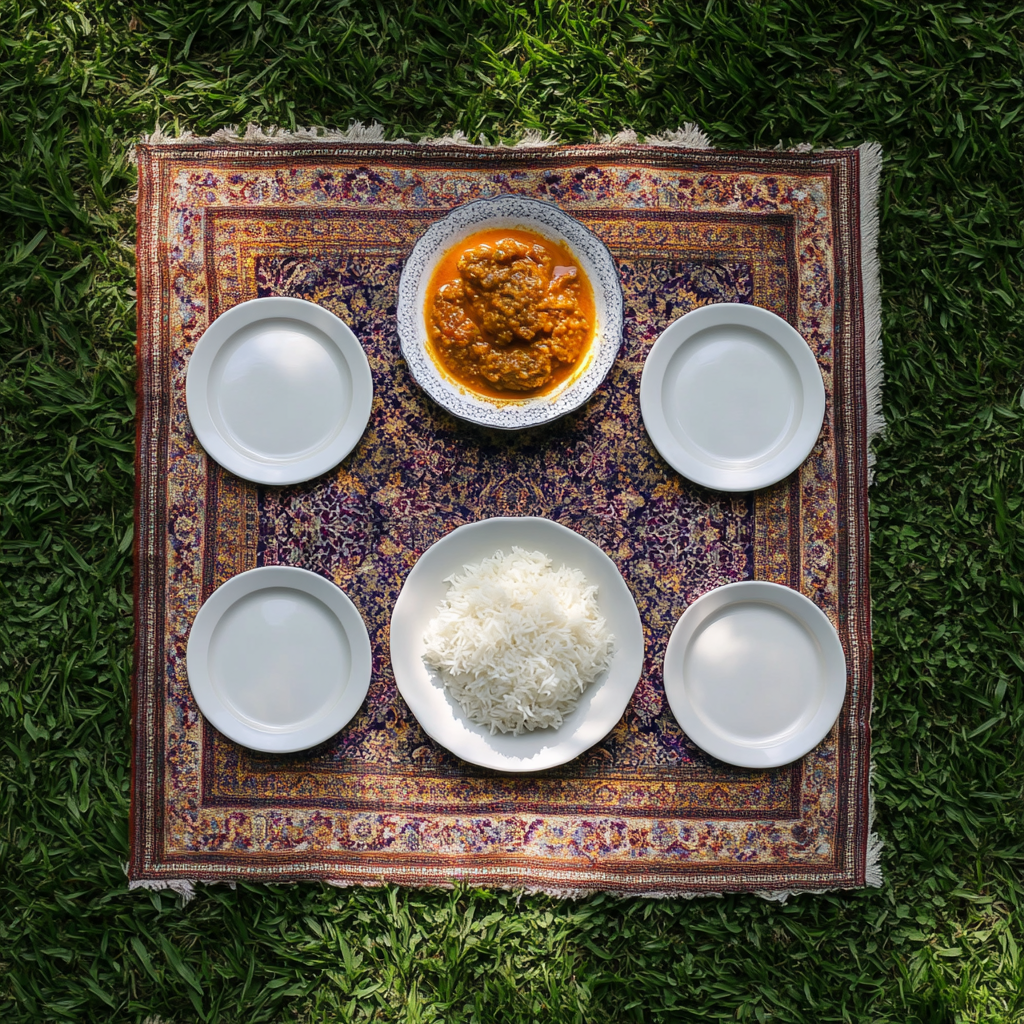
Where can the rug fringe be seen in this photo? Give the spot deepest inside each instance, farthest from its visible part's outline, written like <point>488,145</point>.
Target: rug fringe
<point>626,137</point>
<point>689,136</point>
<point>559,892</point>
<point>870,182</point>
<point>873,878</point>
<point>186,888</point>
<point>181,886</point>
<point>532,139</point>
<point>257,135</point>
<point>456,138</point>
<point>873,863</point>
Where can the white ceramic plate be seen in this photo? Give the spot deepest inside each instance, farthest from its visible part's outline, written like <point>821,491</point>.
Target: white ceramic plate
<point>544,219</point>
<point>732,397</point>
<point>278,659</point>
<point>602,703</point>
<point>755,674</point>
<point>278,390</point>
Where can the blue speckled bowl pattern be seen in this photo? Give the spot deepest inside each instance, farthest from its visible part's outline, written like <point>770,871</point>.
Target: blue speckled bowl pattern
<point>544,219</point>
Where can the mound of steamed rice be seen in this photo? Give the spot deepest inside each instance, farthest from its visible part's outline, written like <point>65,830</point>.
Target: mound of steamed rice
<point>517,642</point>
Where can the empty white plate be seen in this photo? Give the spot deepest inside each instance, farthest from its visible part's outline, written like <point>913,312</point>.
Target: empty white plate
<point>732,397</point>
<point>755,674</point>
<point>278,390</point>
<point>600,706</point>
<point>278,659</point>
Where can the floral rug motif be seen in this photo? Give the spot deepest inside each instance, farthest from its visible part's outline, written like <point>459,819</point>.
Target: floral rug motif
<point>645,811</point>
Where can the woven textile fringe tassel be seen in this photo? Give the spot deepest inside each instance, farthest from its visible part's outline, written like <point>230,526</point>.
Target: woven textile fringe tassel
<point>870,180</point>
<point>689,136</point>
<point>182,886</point>
<point>870,183</point>
<point>873,863</point>
<point>557,892</point>
<point>254,134</point>
<point>185,888</point>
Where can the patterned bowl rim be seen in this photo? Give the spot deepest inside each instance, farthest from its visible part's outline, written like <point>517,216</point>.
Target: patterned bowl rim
<point>514,414</point>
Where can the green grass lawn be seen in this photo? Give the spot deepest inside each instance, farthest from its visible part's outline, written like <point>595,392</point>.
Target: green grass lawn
<point>941,86</point>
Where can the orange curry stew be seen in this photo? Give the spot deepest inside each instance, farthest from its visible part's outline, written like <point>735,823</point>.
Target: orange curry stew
<point>509,312</point>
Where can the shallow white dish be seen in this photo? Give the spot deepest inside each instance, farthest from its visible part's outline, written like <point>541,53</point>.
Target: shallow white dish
<point>732,397</point>
<point>278,390</point>
<point>755,674</point>
<point>278,659</point>
<point>601,704</point>
<point>544,219</point>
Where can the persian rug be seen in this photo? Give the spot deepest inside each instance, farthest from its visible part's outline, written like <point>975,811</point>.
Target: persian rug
<point>645,812</point>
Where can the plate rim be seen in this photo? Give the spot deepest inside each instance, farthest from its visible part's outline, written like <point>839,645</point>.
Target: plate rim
<point>817,624</point>
<point>677,334</point>
<point>462,402</point>
<point>280,473</point>
<point>230,593</point>
<point>412,690</point>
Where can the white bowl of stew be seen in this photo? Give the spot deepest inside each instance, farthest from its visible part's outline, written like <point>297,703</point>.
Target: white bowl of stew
<point>509,312</point>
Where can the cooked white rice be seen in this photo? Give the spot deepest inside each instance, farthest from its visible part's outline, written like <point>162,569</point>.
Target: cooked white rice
<point>517,642</point>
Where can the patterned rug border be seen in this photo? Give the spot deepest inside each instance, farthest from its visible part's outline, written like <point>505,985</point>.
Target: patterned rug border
<point>260,141</point>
